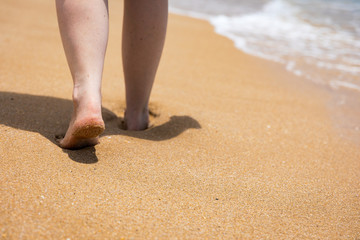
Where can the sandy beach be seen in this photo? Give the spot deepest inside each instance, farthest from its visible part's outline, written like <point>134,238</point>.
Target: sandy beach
<point>239,148</point>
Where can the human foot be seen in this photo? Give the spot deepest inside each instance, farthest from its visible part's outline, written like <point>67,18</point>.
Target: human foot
<point>136,120</point>
<point>85,126</point>
<point>82,133</point>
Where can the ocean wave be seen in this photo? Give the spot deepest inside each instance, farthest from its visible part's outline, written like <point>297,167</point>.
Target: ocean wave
<point>281,31</point>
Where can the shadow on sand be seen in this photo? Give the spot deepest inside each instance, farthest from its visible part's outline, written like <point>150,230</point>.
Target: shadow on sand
<point>50,116</point>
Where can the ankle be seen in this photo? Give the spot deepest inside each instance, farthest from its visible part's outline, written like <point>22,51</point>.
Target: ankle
<point>86,103</point>
<point>86,94</point>
<point>137,111</point>
<point>137,119</point>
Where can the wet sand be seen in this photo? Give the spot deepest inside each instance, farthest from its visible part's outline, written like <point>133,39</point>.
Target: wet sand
<point>239,148</point>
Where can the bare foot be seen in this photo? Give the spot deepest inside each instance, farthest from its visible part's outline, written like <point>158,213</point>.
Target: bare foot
<point>136,120</point>
<point>85,126</point>
<point>82,133</point>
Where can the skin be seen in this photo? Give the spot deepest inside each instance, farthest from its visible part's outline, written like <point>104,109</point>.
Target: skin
<point>84,28</point>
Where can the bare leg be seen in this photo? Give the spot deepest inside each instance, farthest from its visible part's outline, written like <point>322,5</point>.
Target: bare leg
<point>144,32</point>
<point>84,31</point>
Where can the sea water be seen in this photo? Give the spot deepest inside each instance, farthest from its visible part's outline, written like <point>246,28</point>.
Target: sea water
<point>316,39</point>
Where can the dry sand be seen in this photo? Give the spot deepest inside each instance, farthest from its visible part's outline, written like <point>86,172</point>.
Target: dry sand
<point>240,149</point>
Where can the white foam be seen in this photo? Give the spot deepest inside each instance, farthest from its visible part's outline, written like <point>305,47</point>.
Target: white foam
<point>278,23</point>
<point>278,32</point>
<point>346,68</point>
<point>337,84</point>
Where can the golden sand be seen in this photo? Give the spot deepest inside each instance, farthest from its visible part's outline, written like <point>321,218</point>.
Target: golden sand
<point>239,148</point>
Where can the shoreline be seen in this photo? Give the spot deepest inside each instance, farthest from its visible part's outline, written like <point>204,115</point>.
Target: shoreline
<point>344,98</point>
<point>342,101</point>
<point>321,71</point>
<point>239,148</point>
